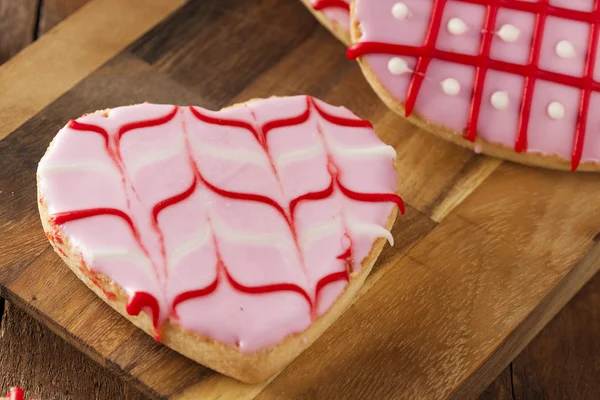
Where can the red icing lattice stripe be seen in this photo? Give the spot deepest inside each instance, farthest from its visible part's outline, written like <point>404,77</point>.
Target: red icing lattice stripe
<point>481,71</point>
<point>143,300</point>
<point>531,72</point>
<point>538,34</point>
<point>431,36</point>
<point>538,8</point>
<point>588,74</point>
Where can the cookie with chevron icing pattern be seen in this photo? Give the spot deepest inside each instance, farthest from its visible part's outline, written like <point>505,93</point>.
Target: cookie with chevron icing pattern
<point>234,237</point>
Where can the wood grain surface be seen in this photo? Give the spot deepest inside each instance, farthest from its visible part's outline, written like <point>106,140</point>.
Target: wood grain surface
<point>48,368</point>
<point>18,25</point>
<point>51,12</point>
<point>487,253</point>
<point>96,32</point>
<point>563,361</point>
<point>23,21</point>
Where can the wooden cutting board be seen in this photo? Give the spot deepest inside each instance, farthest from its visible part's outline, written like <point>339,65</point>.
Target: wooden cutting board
<point>485,256</point>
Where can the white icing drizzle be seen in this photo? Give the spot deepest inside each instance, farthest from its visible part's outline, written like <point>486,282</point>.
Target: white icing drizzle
<point>294,156</point>
<point>556,110</point>
<point>225,232</point>
<point>348,151</point>
<point>400,11</point>
<point>398,66</point>
<point>375,151</point>
<point>307,153</point>
<point>166,153</point>
<point>95,256</point>
<point>189,246</point>
<point>564,49</point>
<point>500,100</point>
<point>373,230</point>
<point>509,33</point>
<point>107,171</point>
<point>238,155</point>
<point>100,167</point>
<point>457,26</point>
<point>315,233</point>
<point>450,86</point>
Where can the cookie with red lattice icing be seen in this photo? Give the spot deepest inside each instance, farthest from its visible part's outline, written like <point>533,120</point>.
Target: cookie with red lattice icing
<point>334,15</point>
<point>514,79</point>
<point>235,237</point>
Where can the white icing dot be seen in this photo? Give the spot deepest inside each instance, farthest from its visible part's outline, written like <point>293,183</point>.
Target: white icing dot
<point>564,49</point>
<point>397,66</point>
<point>450,86</point>
<point>457,26</point>
<point>556,110</point>
<point>400,11</point>
<point>500,100</point>
<point>509,33</point>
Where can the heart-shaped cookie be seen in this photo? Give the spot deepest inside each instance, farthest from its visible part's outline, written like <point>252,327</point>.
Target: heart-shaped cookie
<point>514,79</point>
<point>334,15</point>
<point>235,237</point>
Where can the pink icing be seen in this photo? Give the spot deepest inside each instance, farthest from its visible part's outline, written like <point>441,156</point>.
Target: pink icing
<point>242,225</point>
<point>542,134</point>
<point>336,11</point>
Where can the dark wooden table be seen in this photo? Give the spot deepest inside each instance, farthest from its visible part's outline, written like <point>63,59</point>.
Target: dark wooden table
<point>563,362</point>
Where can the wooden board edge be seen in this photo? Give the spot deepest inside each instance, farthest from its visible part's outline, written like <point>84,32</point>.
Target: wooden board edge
<point>76,47</point>
<point>62,332</point>
<point>73,340</point>
<point>511,346</point>
<point>464,187</point>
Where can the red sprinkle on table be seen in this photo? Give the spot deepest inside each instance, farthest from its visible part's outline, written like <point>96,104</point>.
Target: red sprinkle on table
<point>15,393</point>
